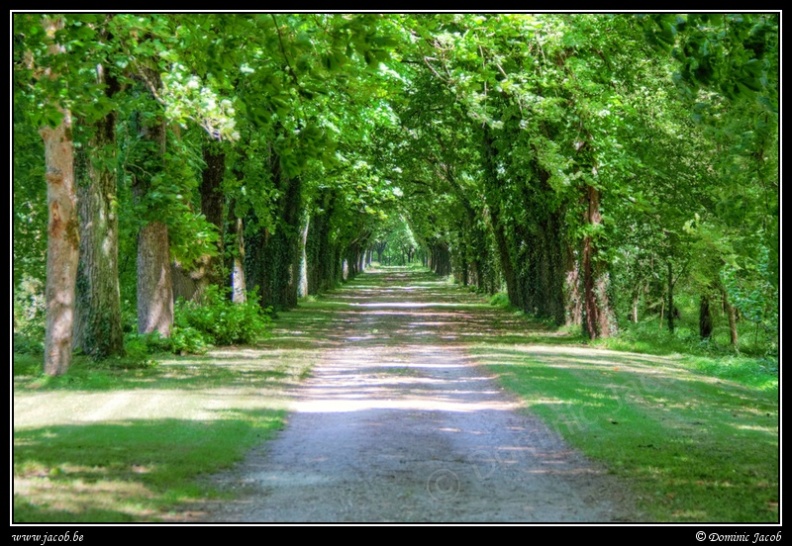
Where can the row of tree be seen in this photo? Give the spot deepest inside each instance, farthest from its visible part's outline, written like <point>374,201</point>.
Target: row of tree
<point>564,157</point>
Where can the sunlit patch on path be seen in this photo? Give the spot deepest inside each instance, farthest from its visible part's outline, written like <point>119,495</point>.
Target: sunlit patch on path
<point>399,423</point>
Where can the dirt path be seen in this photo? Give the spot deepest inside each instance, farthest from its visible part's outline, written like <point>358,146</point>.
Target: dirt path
<point>399,424</point>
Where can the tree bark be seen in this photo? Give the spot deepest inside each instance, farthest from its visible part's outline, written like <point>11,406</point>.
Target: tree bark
<point>62,245</point>
<point>97,329</point>
<point>598,319</point>
<point>212,207</point>
<point>154,287</point>
<point>302,287</point>
<point>670,297</point>
<point>573,302</point>
<point>731,312</point>
<point>154,281</point>
<point>238,287</point>
<point>62,232</point>
<point>705,318</point>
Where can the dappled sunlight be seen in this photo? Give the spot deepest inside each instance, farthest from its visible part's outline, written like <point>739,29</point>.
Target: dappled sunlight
<point>80,407</point>
<point>80,496</point>
<point>406,378</point>
<point>414,305</point>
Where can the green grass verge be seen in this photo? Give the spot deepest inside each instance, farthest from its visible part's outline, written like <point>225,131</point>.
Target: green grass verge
<point>110,442</point>
<point>127,470</point>
<point>694,446</point>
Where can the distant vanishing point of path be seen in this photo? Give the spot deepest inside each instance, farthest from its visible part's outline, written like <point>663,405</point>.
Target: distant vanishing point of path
<point>398,423</point>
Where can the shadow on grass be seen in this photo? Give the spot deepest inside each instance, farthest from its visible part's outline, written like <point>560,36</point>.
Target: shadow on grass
<point>127,471</point>
<point>695,447</point>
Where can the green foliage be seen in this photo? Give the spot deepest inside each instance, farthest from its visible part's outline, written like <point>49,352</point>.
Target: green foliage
<point>139,347</point>
<point>477,134</point>
<point>29,316</point>
<point>215,320</point>
<point>500,300</point>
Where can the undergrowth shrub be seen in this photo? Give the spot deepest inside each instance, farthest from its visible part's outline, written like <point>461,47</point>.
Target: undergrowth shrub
<point>216,320</point>
<point>29,317</point>
<point>501,299</point>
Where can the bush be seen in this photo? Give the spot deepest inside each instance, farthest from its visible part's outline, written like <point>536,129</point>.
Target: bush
<point>218,321</point>
<point>187,340</point>
<point>29,316</point>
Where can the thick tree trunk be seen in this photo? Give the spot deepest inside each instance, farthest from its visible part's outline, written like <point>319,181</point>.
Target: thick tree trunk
<point>279,259</point>
<point>154,285</point>
<point>97,329</point>
<point>212,208</point>
<point>154,281</point>
<point>62,245</point>
<point>62,231</point>
<point>598,320</point>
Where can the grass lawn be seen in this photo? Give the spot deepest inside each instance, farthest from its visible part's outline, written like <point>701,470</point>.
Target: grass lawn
<point>696,437</point>
<point>113,445</point>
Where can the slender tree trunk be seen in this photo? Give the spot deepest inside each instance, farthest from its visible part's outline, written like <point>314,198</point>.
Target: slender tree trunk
<point>705,318</point>
<point>670,298</point>
<point>238,287</point>
<point>97,329</point>
<point>302,288</point>
<point>573,301</point>
<point>731,312</point>
<point>62,232</point>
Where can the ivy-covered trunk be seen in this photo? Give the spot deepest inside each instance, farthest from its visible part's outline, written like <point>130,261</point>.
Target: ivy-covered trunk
<point>154,280</point>
<point>279,259</point>
<point>598,317</point>
<point>97,327</point>
<point>441,258</point>
<point>212,202</point>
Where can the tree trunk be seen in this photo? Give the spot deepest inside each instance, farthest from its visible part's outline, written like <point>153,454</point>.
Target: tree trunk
<point>154,285</point>
<point>705,318</point>
<point>670,306</point>
<point>62,233</point>
<point>302,287</point>
<point>97,328</point>
<point>239,289</point>
<point>62,245</point>
<point>278,256</point>
<point>154,281</point>
<point>731,312</point>
<point>212,208</point>
<point>573,302</point>
<point>598,314</point>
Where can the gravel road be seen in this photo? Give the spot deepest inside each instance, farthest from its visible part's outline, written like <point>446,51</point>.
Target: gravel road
<point>399,424</point>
